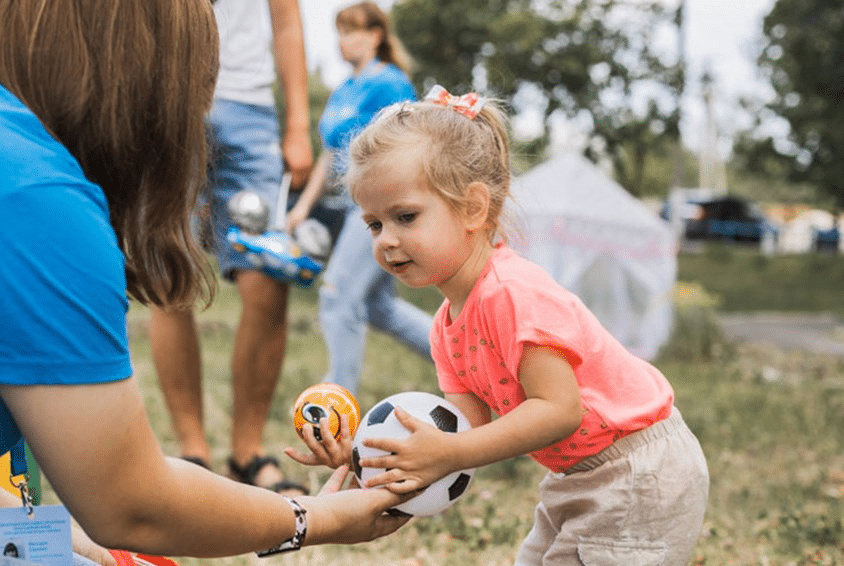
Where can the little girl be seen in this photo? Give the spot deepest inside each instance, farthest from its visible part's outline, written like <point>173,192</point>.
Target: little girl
<point>627,480</point>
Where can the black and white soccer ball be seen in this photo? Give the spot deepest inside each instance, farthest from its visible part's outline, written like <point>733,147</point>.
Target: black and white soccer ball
<point>381,422</point>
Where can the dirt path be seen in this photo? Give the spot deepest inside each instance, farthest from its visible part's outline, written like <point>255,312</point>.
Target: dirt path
<point>811,332</point>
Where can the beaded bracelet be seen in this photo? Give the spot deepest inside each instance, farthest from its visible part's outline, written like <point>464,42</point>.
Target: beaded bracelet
<point>294,542</point>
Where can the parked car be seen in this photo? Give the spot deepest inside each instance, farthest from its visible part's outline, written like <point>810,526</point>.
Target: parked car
<point>827,240</point>
<point>724,218</point>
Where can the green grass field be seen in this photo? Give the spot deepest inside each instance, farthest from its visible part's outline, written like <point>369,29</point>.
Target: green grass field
<point>745,280</point>
<point>771,424</point>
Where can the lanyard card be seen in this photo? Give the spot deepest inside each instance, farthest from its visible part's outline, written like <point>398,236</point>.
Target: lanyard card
<point>9,561</point>
<point>41,539</point>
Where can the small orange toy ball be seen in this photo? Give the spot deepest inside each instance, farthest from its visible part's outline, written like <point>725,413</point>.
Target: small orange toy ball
<point>325,400</point>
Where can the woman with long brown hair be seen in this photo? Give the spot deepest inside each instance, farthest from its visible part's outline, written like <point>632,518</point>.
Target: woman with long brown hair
<point>102,155</point>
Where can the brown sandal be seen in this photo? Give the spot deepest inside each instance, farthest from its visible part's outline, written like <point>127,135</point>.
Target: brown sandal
<point>248,473</point>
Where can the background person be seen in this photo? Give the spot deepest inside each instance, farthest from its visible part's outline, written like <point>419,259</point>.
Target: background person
<point>355,292</point>
<point>245,131</point>
<point>102,152</point>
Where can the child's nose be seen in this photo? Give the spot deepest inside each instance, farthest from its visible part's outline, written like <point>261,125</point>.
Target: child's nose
<point>387,239</point>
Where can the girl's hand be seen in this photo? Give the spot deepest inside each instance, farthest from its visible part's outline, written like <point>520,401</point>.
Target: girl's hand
<point>414,462</point>
<point>329,452</point>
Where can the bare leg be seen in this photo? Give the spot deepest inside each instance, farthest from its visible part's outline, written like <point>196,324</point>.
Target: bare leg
<point>256,364</point>
<point>176,354</point>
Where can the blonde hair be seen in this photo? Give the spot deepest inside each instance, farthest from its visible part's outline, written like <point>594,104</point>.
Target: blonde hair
<point>124,86</point>
<point>453,151</point>
<point>368,16</point>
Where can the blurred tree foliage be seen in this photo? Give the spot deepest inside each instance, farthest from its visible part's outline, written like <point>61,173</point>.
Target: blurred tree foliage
<point>318,95</point>
<point>594,61</point>
<point>803,56</point>
<point>759,172</point>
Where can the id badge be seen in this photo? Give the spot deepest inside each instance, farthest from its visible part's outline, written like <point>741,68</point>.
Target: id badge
<point>43,538</point>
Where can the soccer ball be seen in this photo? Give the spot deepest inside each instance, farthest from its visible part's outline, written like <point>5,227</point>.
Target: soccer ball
<point>325,400</point>
<point>381,422</point>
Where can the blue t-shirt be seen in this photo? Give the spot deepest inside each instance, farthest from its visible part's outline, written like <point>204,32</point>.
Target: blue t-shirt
<point>63,296</point>
<point>355,102</point>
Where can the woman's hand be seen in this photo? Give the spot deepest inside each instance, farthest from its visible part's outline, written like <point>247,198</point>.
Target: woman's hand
<point>330,451</point>
<point>352,515</point>
<point>415,462</point>
<point>310,194</point>
<point>296,216</point>
<point>298,156</point>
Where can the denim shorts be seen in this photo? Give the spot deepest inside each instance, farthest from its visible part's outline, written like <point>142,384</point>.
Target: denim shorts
<point>639,502</point>
<point>246,154</point>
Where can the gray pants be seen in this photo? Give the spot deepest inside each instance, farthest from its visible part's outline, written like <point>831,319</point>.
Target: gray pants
<point>639,502</point>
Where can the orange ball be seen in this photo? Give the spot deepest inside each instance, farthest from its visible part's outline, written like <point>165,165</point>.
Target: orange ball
<point>325,400</point>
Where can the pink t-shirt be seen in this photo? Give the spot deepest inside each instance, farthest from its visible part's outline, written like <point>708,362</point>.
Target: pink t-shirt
<point>515,302</point>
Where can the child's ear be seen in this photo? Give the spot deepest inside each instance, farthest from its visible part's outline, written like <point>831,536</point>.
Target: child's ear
<point>477,205</point>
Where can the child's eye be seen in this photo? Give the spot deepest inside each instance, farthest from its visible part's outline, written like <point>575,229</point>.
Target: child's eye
<point>374,226</point>
<point>407,217</point>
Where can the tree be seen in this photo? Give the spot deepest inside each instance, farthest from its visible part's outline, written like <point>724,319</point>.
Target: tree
<point>803,56</point>
<point>593,60</point>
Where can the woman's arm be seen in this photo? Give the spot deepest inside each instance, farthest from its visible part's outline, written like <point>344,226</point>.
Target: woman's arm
<point>550,412</point>
<point>95,446</point>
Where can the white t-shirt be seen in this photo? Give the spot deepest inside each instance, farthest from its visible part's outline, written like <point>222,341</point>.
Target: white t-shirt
<point>247,66</point>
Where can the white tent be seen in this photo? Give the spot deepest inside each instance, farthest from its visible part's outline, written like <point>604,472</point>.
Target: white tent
<point>602,244</point>
<point>799,234</point>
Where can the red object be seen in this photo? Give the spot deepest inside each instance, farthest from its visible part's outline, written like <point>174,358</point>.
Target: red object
<point>126,558</point>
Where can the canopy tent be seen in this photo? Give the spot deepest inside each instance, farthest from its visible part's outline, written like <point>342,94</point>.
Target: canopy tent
<point>602,244</point>
<point>800,234</point>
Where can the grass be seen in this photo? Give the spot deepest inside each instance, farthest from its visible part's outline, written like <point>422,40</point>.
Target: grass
<point>745,280</point>
<point>770,423</point>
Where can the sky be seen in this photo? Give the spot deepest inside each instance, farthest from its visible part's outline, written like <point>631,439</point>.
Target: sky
<point>720,34</point>
<point>723,35</point>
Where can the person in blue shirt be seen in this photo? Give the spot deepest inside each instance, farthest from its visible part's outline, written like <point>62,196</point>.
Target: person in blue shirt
<point>355,291</point>
<point>102,156</point>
